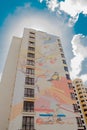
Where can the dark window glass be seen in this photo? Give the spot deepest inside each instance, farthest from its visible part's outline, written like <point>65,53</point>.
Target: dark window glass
<point>85,109</point>
<point>29,81</point>
<point>31,43</point>
<point>32,33</point>
<point>30,62</point>
<point>31,55</point>
<point>64,62</point>
<point>61,50</point>
<point>28,106</point>
<point>62,55</point>
<point>75,108</point>
<point>70,85</point>
<point>30,71</point>
<point>73,96</point>
<point>67,76</point>
<point>79,121</point>
<point>28,123</point>
<point>31,48</point>
<point>32,37</point>
<point>65,68</point>
<point>28,92</point>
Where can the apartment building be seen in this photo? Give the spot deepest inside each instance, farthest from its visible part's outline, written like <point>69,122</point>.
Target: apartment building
<point>81,98</point>
<point>36,91</point>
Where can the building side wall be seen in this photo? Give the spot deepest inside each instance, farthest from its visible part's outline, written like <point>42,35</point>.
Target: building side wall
<point>16,114</point>
<point>8,81</point>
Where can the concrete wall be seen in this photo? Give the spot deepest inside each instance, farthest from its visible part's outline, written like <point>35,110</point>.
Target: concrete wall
<point>7,83</point>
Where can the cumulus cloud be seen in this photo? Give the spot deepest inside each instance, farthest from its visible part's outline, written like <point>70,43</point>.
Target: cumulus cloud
<point>52,4</point>
<point>27,17</point>
<point>80,53</point>
<point>71,7</point>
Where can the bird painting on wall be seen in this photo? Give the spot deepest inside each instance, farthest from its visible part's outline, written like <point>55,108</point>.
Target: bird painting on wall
<point>55,76</point>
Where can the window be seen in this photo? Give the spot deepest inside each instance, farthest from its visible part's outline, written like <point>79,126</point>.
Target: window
<point>79,89</point>
<point>31,48</point>
<point>67,76</point>
<point>75,107</point>
<point>84,105</point>
<point>61,50</point>
<point>77,85</point>
<point>81,96</point>
<point>82,101</point>
<point>31,37</point>
<point>73,96</point>
<point>77,82</point>
<point>60,45</point>
<point>28,92</point>
<point>78,102</point>
<point>30,71</point>
<point>79,121</point>
<point>65,68</point>
<point>70,85</point>
<point>32,33</point>
<point>28,106</point>
<point>29,81</point>
<point>80,92</point>
<point>31,43</point>
<point>28,123</point>
<point>62,55</point>
<point>31,55</point>
<point>85,109</point>
<point>64,62</point>
<point>86,115</point>
<point>58,40</point>
<point>30,62</point>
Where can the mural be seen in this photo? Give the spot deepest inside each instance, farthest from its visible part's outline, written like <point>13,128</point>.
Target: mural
<point>53,103</point>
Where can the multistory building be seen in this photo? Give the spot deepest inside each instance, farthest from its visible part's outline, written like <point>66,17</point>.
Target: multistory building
<point>81,99</point>
<point>36,91</point>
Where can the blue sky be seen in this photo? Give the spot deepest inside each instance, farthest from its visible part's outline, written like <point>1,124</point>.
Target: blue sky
<point>64,18</point>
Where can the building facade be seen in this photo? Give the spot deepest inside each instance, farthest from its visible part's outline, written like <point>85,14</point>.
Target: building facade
<point>81,99</point>
<point>36,92</point>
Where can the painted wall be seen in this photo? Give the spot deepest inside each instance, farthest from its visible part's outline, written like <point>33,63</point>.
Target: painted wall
<point>53,103</point>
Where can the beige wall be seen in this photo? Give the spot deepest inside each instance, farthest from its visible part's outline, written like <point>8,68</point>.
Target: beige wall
<point>7,83</point>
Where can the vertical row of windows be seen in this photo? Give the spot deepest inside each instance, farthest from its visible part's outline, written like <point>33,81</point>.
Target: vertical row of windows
<point>28,106</point>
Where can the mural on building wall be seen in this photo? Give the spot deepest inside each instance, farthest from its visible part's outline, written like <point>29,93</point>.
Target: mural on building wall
<point>53,103</point>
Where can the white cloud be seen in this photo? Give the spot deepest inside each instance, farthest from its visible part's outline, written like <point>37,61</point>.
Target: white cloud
<point>80,53</point>
<point>74,8</point>
<point>84,78</point>
<point>52,4</point>
<point>71,7</point>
